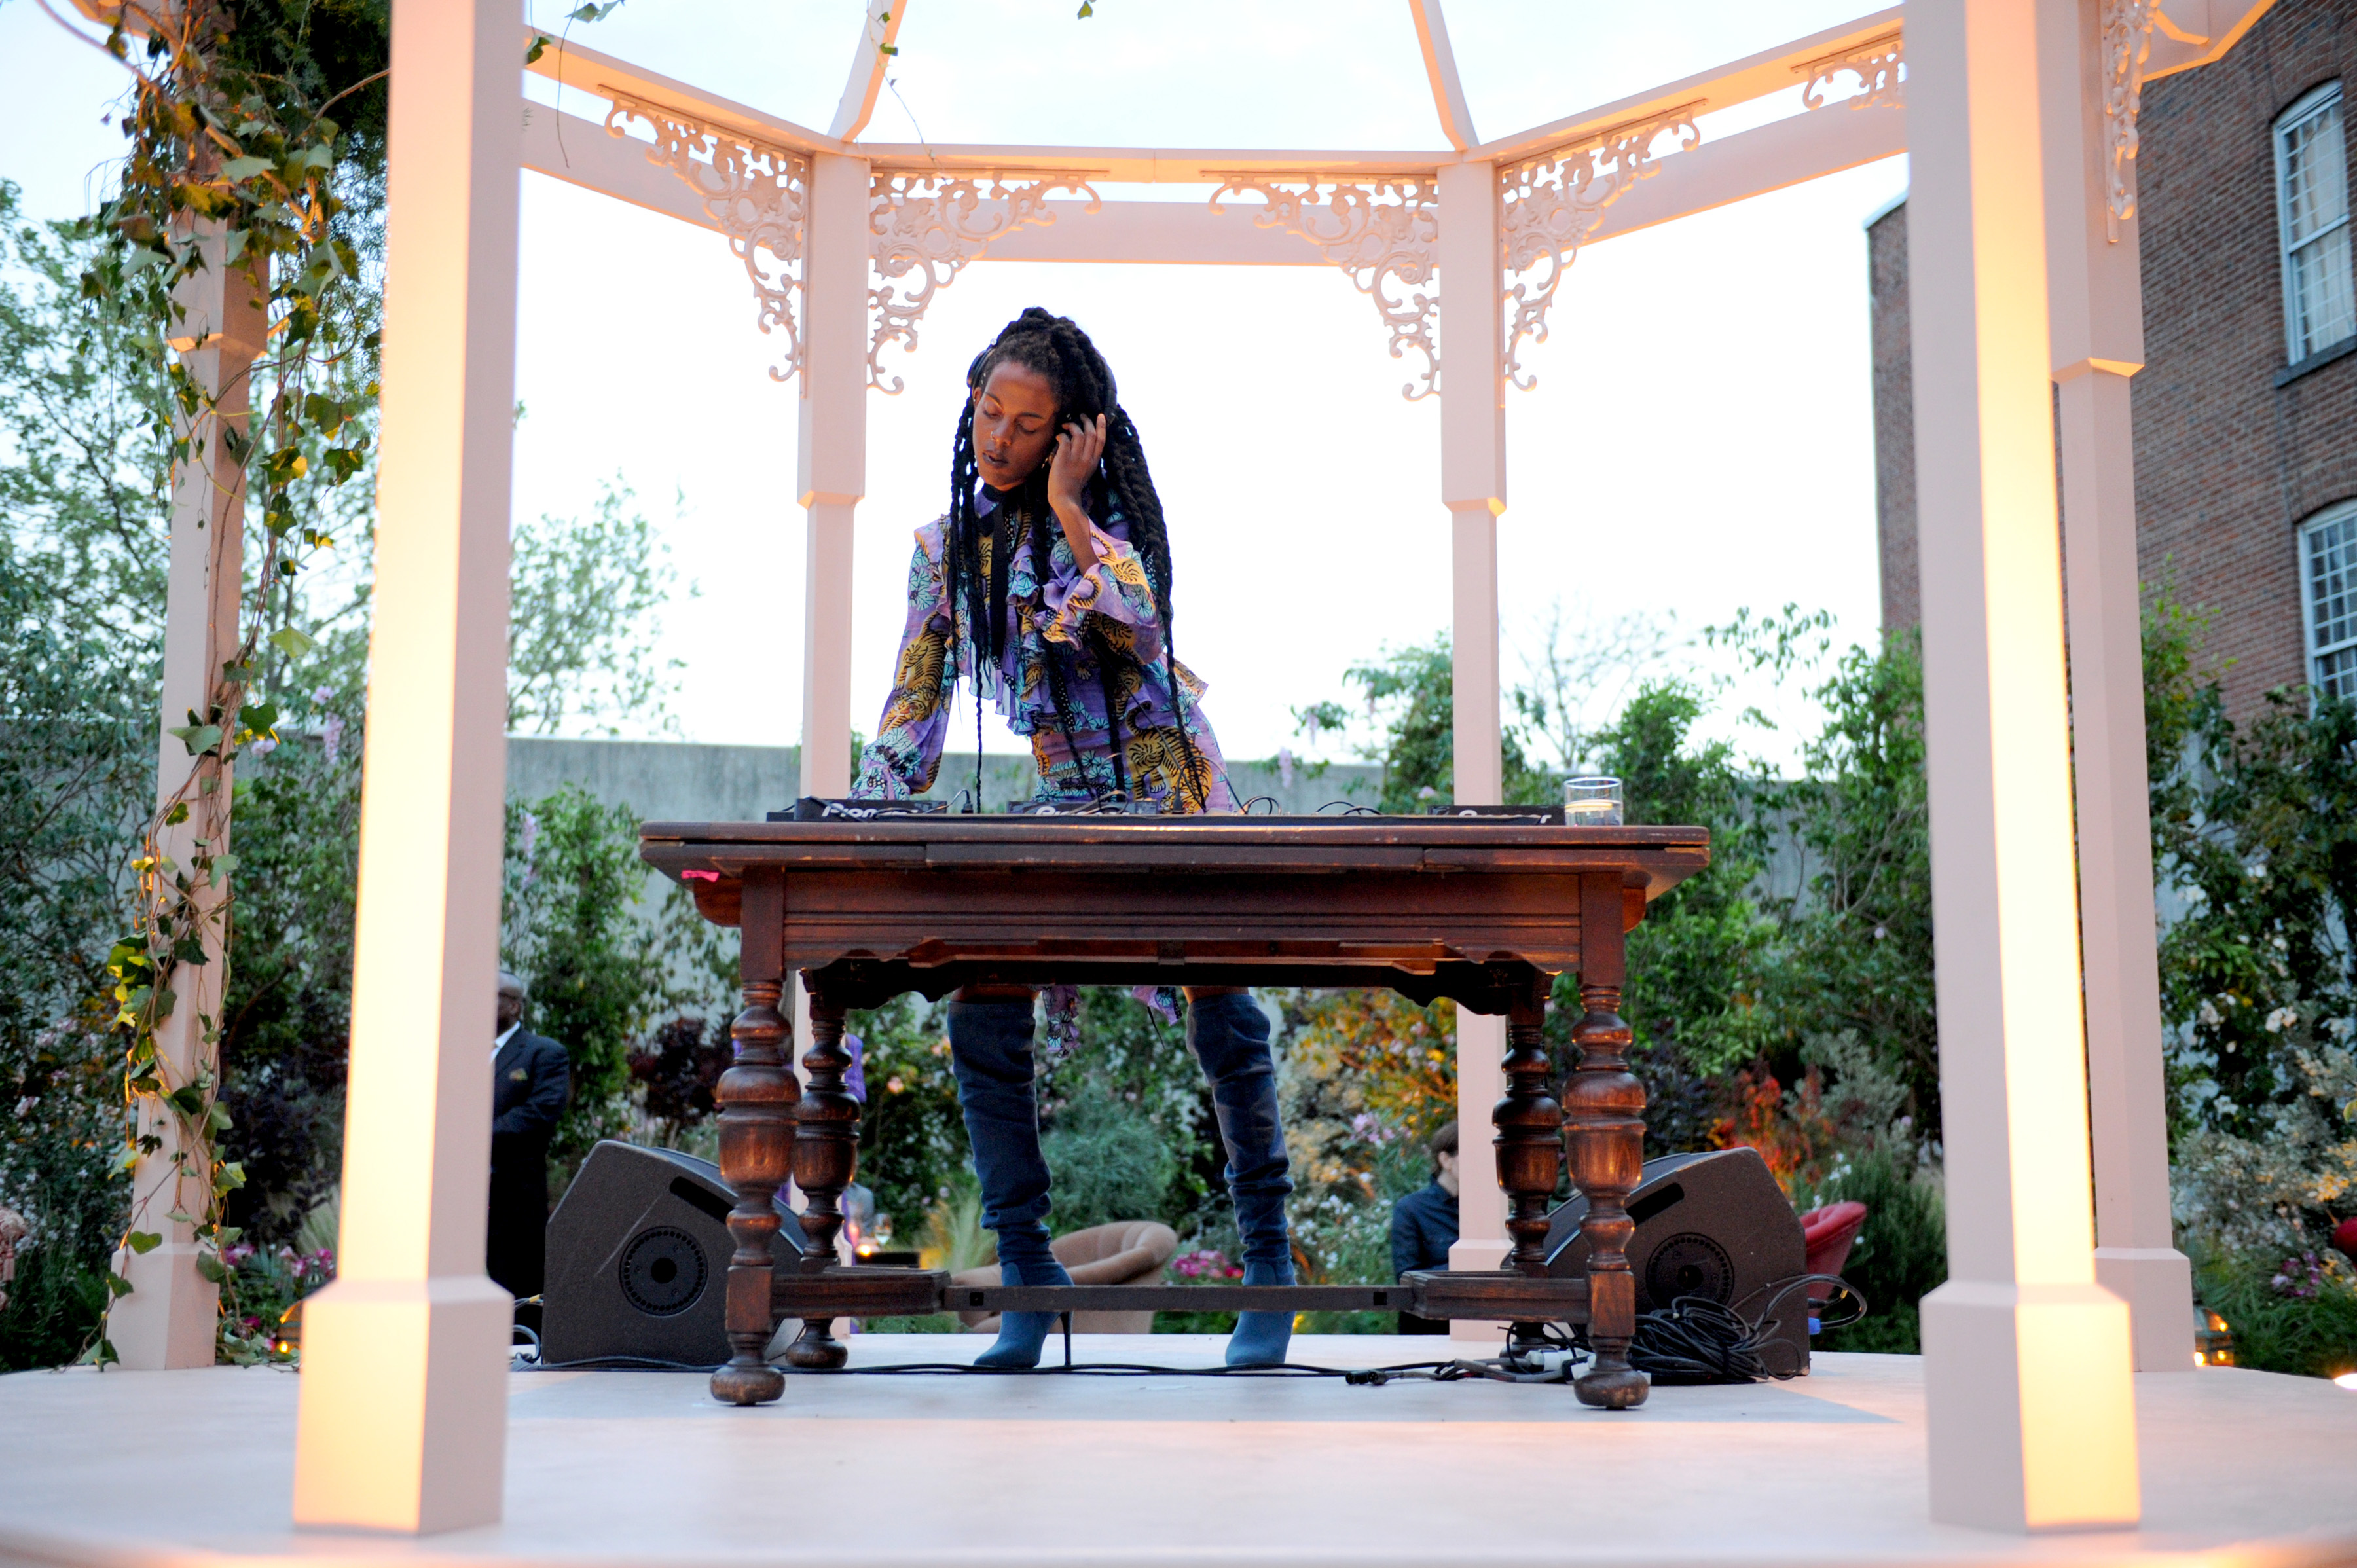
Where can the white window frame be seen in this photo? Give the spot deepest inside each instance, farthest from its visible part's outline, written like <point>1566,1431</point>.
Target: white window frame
<point>2310,532</point>
<point>2310,104</point>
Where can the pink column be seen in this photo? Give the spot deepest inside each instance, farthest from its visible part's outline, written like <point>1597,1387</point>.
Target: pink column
<point>169,1317</point>
<point>833,452</point>
<point>403,1414</point>
<point>1473,487</point>
<point>2097,290</point>
<point>2031,1407</point>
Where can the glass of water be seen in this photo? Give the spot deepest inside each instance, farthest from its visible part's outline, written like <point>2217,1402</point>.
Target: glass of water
<point>1591,802</point>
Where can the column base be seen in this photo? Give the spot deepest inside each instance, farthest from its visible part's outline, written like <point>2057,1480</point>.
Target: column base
<point>2030,1407</point>
<point>172,1315</point>
<point>1478,1257</point>
<point>402,1419</point>
<point>2158,1285</point>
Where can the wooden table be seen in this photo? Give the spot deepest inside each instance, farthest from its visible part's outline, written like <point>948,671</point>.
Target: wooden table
<point>1483,911</point>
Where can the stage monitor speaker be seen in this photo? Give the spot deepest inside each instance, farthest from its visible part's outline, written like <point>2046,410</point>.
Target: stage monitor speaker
<point>1713,1224</point>
<point>638,1260</point>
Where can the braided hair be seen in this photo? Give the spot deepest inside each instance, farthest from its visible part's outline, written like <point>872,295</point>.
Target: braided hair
<point>1054,347</point>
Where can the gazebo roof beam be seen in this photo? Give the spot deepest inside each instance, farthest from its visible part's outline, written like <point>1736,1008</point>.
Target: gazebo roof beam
<point>1153,166</point>
<point>603,76</point>
<point>1722,87</point>
<point>878,36</point>
<point>1440,70</point>
<point>1787,66</point>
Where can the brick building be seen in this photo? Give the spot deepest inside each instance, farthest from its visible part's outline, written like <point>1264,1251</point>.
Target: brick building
<point>2245,412</point>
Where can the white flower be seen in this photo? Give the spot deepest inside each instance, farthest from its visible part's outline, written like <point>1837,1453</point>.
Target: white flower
<point>2210,1017</point>
<point>2280,1017</point>
<point>2280,945</point>
<point>2196,894</point>
<point>2341,1028</point>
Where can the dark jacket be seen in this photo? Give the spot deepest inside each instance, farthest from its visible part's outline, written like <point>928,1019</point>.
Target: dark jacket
<point>1424,1227</point>
<point>531,1080</point>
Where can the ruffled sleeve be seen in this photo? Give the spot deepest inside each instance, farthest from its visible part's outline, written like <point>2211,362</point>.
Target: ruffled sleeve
<point>906,754</point>
<point>1116,590</point>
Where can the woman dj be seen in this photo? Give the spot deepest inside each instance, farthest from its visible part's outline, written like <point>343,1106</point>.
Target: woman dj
<point>1047,587</point>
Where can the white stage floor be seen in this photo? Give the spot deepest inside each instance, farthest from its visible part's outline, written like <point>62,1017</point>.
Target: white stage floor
<point>618,1467</point>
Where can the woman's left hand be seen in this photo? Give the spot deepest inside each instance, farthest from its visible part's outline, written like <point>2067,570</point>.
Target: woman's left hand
<point>1078,451</point>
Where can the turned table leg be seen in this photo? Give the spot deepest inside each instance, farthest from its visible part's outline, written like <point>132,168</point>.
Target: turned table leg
<point>826,1153</point>
<point>1529,1124</point>
<point>1605,1106</point>
<point>755,1098</point>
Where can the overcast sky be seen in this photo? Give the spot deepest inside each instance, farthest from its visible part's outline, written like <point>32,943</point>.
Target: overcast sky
<point>1700,440</point>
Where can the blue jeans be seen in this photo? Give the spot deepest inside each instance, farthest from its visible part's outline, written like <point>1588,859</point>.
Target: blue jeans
<point>991,1053</point>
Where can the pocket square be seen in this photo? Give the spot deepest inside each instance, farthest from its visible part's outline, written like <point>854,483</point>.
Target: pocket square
<point>518,1074</point>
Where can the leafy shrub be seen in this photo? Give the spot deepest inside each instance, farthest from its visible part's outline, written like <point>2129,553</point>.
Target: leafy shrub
<point>572,928</point>
<point>2297,1314</point>
<point>1108,1162</point>
<point>912,1143</point>
<point>1899,1257</point>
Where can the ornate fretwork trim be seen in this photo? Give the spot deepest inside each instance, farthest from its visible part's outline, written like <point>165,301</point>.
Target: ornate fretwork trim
<point>2128,41</point>
<point>1551,203</point>
<point>1384,233</point>
<point>1877,63</point>
<point>757,194</point>
<point>932,224</point>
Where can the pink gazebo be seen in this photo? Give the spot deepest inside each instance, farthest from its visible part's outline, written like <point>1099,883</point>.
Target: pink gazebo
<point>2019,116</point>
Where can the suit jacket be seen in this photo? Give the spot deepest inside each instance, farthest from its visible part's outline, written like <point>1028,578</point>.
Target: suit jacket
<point>530,1081</point>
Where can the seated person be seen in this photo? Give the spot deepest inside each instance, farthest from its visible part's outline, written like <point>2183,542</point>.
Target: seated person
<point>1423,1225</point>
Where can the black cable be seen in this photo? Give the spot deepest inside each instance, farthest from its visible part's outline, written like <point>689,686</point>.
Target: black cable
<point>1694,1340</point>
<point>1358,1374</point>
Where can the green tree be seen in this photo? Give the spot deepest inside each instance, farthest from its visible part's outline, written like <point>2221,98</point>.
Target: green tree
<point>1855,949</point>
<point>81,466</point>
<point>1696,961</point>
<point>1410,697</point>
<point>583,628</point>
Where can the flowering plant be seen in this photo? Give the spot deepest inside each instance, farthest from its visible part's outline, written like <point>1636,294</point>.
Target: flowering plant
<point>1205,1265</point>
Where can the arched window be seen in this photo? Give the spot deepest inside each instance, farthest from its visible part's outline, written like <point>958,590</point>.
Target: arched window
<point>2328,576</point>
<point>2312,203</point>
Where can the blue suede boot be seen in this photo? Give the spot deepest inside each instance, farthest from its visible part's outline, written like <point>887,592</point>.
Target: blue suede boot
<point>990,1052</point>
<point>1229,1035</point>
<point>1024,1260</point>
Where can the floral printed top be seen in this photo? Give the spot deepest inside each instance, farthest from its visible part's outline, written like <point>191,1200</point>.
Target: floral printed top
<point>1049,619</point>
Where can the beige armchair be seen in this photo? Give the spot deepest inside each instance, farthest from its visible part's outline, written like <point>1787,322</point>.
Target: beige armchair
<point>1130,1252</point>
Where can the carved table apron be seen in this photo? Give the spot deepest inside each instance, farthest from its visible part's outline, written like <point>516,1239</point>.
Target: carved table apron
<point>1486,912</point>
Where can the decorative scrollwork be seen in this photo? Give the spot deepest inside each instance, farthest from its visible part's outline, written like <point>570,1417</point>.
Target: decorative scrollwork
<point>1384,233</point>
<point>1551,203</point>
<point>2127,43</point>
<point>932,224</point>
<point>1877,63</point>
<point>757,194</point>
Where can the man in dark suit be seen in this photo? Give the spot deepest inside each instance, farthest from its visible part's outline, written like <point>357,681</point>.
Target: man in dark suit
<point>531,1080</point>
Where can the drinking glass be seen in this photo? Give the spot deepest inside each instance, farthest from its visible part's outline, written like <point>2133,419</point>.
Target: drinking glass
<point>1592,802</point>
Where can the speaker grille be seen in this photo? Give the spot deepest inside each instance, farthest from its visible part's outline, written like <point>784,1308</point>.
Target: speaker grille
<point>1688,1264</point>
<point>663,1272</point>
